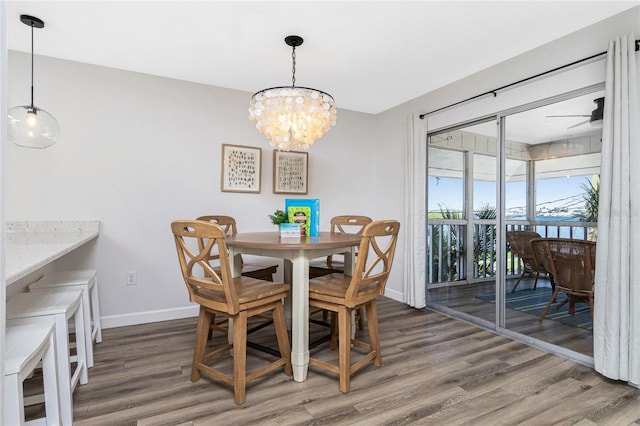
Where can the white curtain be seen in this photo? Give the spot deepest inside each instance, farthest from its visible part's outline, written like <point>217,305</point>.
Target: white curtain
<point>415,212</point>
<point>616,328</point>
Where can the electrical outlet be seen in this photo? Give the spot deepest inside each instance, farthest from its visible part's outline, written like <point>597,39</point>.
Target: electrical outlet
<point>132,278</point>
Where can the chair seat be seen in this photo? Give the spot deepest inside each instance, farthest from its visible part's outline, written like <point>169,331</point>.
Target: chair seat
<point>336,286</point>
<point>315,272</point>
<point>253,270</point>
<point>27,342</point>
<point>335,265</point>
<point>320,268</point>
<point>248,268</point>
<point>248,290</point>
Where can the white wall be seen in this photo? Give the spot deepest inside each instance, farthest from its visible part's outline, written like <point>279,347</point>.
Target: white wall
<point>392,124</point>
<point>581,44</point>
<point>137,152</point>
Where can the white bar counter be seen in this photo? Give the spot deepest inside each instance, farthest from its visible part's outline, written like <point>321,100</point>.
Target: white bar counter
<point>32,245</point>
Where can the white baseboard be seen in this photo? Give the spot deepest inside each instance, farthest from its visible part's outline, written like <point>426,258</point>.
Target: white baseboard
<point>149,316</point>
<point>393,294</point>
<point>179,313</point>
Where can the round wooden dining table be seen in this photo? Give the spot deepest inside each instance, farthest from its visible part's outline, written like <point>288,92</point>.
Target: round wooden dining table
<point>296,252</point>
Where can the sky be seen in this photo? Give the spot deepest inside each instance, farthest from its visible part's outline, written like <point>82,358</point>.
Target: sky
<point>557,192</point>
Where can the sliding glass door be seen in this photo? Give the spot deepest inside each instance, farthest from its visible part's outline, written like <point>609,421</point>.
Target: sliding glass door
<point>547,165</point>
<point>461,221</point>
<point>554,194</point>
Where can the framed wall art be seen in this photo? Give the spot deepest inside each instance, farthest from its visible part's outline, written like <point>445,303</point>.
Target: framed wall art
<point>290,172</point>
<point>241,168</point>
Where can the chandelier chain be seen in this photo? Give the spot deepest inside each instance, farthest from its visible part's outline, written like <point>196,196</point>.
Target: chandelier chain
<point>293,68</point>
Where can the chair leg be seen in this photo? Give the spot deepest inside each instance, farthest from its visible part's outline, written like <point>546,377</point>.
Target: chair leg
<point>517,282</point>
<point>572,305</point>
<point>213,321</point>
<point>344,325</point>
<point>374,331</point>
<point>283,338</point>
<point>202,332</point>
<point>360,317</point>
<point>333,344</point>
<point>239,357</point>
<point>561,304</point>
<point>551,300</point>
<point>535,283</point>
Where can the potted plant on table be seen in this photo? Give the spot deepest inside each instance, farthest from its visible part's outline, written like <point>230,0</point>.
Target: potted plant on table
<point>287,227</point>
<point>278,217</point>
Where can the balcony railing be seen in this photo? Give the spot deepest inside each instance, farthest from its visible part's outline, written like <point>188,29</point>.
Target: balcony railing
<point>447,248</point>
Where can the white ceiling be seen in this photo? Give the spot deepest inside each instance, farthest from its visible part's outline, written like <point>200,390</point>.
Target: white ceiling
<point>553,122</point>
<point>370,55</point>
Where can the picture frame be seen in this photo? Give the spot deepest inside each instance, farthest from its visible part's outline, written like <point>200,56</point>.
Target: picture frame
<point>241,169</point>
<point>290,172</point>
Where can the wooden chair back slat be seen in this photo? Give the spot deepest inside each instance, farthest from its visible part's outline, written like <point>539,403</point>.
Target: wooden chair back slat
<point>349,224</point>
<point>375,257</point>
<point>228,225</point>
<point>195,265</point>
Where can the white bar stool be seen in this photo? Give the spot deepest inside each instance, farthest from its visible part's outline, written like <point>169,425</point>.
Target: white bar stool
<point>62,306</point>
<point>27,341</point>
<point>86,280</point>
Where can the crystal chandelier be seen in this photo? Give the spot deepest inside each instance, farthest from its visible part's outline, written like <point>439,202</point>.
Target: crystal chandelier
<point>291,117</point>
<point>28,125</point>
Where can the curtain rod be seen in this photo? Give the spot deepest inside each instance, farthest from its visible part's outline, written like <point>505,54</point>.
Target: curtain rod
<point>494,91</point>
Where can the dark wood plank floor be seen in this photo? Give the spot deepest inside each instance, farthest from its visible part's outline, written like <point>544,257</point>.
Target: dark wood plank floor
<point>436,370</point>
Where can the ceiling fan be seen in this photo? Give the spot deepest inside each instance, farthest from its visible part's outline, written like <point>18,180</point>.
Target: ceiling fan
<point>595,118</point>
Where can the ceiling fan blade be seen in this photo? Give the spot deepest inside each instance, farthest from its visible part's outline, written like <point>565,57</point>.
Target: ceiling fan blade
<point>579,124</point>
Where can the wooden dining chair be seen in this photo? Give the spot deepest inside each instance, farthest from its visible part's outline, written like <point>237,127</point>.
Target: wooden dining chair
<point>345,224</point>
<point>228,224</point>
<point>343,294</point>
<point>261,272</point>
<point>572,263</point>
<point>519,243</point>
<point>237,299</point>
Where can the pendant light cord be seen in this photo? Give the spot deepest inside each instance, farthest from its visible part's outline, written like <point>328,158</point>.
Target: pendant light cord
<point>32,107</point>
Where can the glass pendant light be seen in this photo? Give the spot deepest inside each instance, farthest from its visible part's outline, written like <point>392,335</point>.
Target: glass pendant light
<point>28,125</point>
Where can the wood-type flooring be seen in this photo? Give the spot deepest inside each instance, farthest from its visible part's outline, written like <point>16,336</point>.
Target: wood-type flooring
<point>435,370</point>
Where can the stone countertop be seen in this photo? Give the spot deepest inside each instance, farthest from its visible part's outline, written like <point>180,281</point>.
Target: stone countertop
<point>32,245</point>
